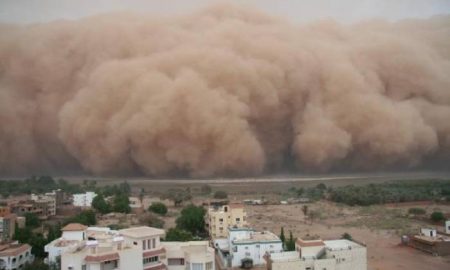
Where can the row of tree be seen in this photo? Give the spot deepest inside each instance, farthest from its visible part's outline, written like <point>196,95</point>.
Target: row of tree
<point>391,192</point>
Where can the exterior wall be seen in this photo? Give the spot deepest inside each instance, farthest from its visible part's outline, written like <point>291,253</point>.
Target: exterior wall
<point>130,258</point>
<point>194,253</point>
<point>350,259</point>
<point>74,235</point>
<point>255,251</point>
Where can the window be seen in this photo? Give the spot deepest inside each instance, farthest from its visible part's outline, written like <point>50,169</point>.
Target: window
<point>175,261</point>
<point>221,219</point>
<point>247,254</point>
<point>238,219</point>
<point>257,246</point>
<point>246,247</point>
<point>135,243</point>
<point>149,244</point>
<point>197,266</point>
<point>154,243</point>
<point>150,260</point>
<point>209,266</point>
<point>143,244</point>
<point>83,267</point>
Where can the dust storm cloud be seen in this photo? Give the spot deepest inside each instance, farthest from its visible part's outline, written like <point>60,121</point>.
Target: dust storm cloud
<point>220,92</point>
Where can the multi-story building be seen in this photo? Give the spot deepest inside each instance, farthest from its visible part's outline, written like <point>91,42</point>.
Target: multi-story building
<point>83,199</point>
<point>7,227</point>
<point>139,248</point>
<point>220,218</point>
<point>339,254</point>
<point>15,256</point>
<point>246,247</point>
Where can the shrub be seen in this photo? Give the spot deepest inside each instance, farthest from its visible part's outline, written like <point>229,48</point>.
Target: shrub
<point>347,236</point>
<point>437,216</point>
<point>158,208</point>
<point>416,211</point>
<point>220,194</point>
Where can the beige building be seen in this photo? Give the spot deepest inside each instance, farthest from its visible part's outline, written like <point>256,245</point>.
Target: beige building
<point>318,255</point>
<point>220,218</point>
<point>14,256</point>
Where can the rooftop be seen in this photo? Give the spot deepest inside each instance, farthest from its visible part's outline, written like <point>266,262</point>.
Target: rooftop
<point>142,232</point>
<point>258,237</point>
<point>309,243</point>
<point>73,227</point>
<point>341,244</point>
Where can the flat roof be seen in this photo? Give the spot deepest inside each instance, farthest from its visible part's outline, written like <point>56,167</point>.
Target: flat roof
<point>258,237</point>
<point>74,227</point>
<point>341,244</point>
<point>309,243</point>
<point>142,232</point>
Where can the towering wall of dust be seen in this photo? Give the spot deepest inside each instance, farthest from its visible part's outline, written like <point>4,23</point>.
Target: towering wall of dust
<point>225,91</point>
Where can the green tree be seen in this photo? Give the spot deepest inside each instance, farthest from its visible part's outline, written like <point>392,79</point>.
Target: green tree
<point>32,220</point>
<point>121,203</point>
<point>305,210</point>
<point>290,244</point>
<point>437,216</point>
<point>152,220</point>
<point>86,217</point>
<point>158,208</point>
<point>23,235</point>
<point>174,234</point>
<point>192,219</point>
<point>54,232</point>
<point>282,236</point>
<point>220,194</point>
<point>99,204</point>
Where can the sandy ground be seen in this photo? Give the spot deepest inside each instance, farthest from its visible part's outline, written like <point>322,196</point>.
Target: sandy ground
<point>384,251</point>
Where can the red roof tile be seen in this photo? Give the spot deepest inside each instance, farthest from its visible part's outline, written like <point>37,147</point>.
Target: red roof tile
<point>156,267</point>
<point>74,227</point>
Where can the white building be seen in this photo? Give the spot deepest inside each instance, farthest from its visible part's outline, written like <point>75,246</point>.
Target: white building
<point>137,248</point>
<point>318,255</point>
<point>72,235</point>
<point>245,245</point>
<point>15,256</point>
<point>83,199</point>
<point>447,227</point>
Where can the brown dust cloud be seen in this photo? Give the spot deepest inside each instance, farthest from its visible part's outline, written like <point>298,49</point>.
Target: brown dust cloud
<point>224,91</point>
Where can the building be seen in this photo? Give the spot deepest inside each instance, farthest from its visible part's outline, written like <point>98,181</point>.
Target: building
<point>7,227</point>
<point>15,256</point>
<point>245,246</point>
<point>339,254</point>
<point>447,227</point>
<point>221,217</point>
<point>46,203</point>
<point>138,248</point>
<point>430,241</point>
<point>83,199</point>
